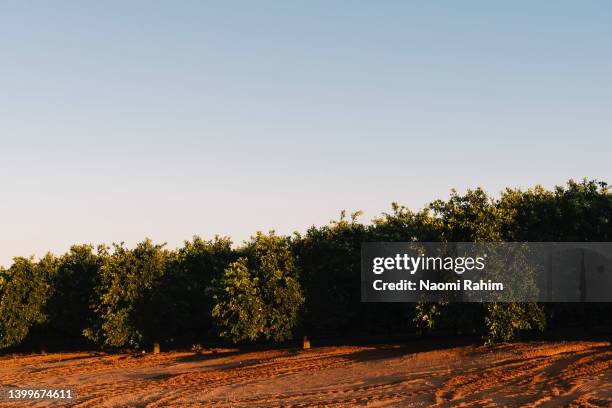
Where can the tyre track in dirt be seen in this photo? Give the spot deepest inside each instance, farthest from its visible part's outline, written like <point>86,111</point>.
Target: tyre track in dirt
<point>382,391</point>
<point>524,374</point>
<point>550,371</point>
<point>263,370</point>
<point>176,386</point>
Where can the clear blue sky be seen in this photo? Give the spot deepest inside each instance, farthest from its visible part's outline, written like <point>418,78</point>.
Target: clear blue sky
<point>122,120</point>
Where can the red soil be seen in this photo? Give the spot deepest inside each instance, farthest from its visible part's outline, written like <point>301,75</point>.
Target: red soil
<point>525,374</point>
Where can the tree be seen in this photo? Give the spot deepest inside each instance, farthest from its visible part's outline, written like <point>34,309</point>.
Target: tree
<point>183,289</point>
<point>504,321</point>
<point>578,211</point>
<point>475,217</point>
<point>126,313</point>
<point>68,308</point>
<point>575,212</point>
<point>24,290</point>
<point>330,264</point>
<point>267,281</point>
<point>239,308</point>
<point>273,286</point>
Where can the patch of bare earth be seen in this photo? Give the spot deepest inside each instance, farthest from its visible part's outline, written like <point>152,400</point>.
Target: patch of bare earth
<point>576,374</point>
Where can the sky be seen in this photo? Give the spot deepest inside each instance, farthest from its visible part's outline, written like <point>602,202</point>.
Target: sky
<point>125,120</point>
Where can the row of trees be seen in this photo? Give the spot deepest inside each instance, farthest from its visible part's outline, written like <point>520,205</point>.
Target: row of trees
<point>273,287</point>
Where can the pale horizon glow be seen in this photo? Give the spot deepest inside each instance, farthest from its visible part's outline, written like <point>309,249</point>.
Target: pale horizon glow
<point>126,120</point>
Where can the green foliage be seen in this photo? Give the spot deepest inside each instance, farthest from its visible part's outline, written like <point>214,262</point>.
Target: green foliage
<point>187,305</point>
<point>274,286</point>
<point>125,312</point>
<point>266,281</point>
<point>403,225</point>
<point>473,217</point>
<point>24,290</point>
<point>426,315</point>
<point>68,308</point>
<point>577,212</point>
<point>504,321</point>
<point>329,258</point>
<point>239,308</point>
<point>273,264</point>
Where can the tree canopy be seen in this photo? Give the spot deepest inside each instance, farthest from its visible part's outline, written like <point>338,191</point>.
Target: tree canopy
<point>274,287</point>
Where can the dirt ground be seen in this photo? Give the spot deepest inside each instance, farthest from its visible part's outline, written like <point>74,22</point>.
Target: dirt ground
<point>524,374</point>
